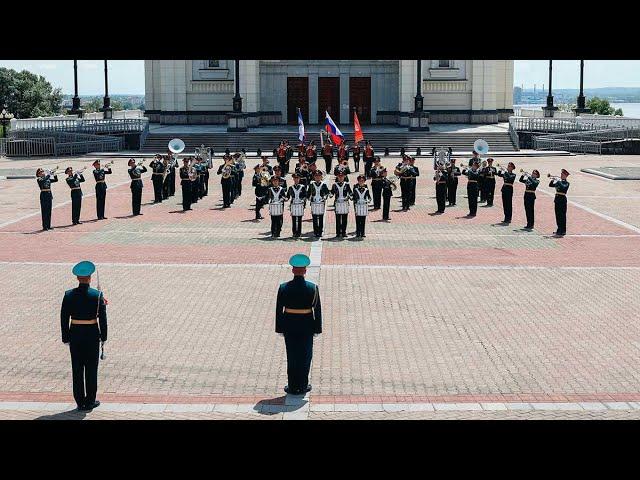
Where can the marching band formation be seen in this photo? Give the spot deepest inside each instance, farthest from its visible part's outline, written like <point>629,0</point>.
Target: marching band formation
<point>309,184</point>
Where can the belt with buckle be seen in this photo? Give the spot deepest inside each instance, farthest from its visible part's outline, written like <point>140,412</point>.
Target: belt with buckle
<point>136,179</point>
<point>560,193</point>
<point>438,183</point>
<point>154,173</point>
<point>529,191</point>
<point>473,181</point>
<point>75,188</point>
<point>99,181</point>
<point>83,322</point>
<point>508,184</point>
<point>298,310</point>
<point>45,190</point>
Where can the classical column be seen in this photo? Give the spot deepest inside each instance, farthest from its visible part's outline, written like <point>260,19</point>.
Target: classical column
<point>549,108</point>
<point>236,120</point>
<point>580,107</point>
<point>106,105</point>
<point>75,108</point>
<point>419,119</point>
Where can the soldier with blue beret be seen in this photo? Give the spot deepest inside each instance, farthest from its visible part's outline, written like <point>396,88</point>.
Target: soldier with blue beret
<point>83,320</point>
<point>298,318</point>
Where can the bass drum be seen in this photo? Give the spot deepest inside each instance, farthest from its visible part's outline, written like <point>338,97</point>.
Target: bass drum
<point>297,209</point>
<point>362,209</point>
<point>317,208</point>
<point>276,208</point>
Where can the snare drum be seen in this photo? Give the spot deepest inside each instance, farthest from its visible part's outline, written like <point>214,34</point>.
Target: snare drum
<point>362,209</point>
<point>297,209</point>
<point>276,208</point>
<point>342,208</point>
<point>317,208</point>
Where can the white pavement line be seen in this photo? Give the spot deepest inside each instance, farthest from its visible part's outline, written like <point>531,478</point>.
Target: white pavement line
<point>336,266</point>
<point>11,222</point>
<point>626,225</point>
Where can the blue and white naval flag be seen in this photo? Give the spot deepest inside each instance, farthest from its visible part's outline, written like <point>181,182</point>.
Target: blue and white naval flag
<point>300,126</point>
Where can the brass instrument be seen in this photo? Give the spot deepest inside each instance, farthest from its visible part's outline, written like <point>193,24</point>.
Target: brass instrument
<point>556,178</point>
<point>481,146</point>
<point>393,181</point>
<point>54,172</point>
<point>193,174</point>
<point>140,162</point>
<point>228,166</point>
<point>265,178</point>
<point>526,174</point>
<point>441,157</point>
<point>108,164</point>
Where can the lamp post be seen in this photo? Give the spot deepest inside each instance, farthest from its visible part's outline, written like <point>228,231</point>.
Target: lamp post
<point>5,119</point>
<point>237,99</point>
<point>75,108</point>
<point>419,119</point>
<point>418,100</point>
<point>106,105</point>
<point>549,108</point>
<point>580,107</point>
<point>236,120</point>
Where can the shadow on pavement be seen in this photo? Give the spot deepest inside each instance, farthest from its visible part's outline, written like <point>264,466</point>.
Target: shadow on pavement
<point>68,415</point>
<point>284,404</point>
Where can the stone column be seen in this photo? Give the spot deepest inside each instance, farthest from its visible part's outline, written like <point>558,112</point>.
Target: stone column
<point>313,95</point>
<point>344,95</point>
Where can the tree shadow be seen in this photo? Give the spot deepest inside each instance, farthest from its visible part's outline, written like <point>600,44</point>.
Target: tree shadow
<point>74,414</point>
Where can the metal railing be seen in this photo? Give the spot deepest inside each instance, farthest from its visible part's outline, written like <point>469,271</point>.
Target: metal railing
<point>33,147</point>
<point>80,125</point>
<point>29,143</point>
<point>588,141</point>
<point>144,135</point>
<point>548,124</point>
<point>515,140</point>
<point>567,145</point>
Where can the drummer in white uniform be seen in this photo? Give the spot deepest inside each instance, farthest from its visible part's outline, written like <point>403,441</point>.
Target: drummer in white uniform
<point>277,196</point>
<point>297,194</point>
<point>361,199</point>
<point>317,193</point>
<point>342,193</point>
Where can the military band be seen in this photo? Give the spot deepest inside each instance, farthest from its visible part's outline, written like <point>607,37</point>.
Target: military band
<point>101,187</point>
<point>226,181</point>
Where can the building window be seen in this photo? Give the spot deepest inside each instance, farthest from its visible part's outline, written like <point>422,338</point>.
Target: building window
<point>444,63</point>
<point>213,63</point>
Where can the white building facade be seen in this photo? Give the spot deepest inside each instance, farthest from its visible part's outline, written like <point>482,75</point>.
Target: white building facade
<point>381,91</point>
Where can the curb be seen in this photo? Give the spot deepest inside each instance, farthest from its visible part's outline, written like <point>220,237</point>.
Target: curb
<point>610,176</point>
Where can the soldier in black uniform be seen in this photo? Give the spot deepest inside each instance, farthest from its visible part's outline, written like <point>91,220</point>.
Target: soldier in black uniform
<point>226,180</point>
<point>531,183</point>
<point>261,191</point>
<point>475,156</point>
<point>356,157</point>
<point>135,173</point>
<point>317,190</point>
<point>265,164</point>
<point>489,183</point>
<point>297,191</point>
<point>172,173</point>
<point>387,193</point>
<point>368,157</point>
<point>414,172</point>
<point>185,183</point>
<point>277,194</point>
<point>342,167</point>
<point>74,180</point>
<point>327,154</point>
<point>239,176</point>
<point>452,183</point>
<point>507,190</point>
<point>277,172</point>
<point>101,187</point>
<point>361,193</point>
<point>473,176</point>
<point>157,168</point>
<point>298,318</point>
<point>441,178</point>
<point>46,198</point>
<point>83,320</point>
<point>195,181</point>
<point>341,190</point>
<point>202,173</point>
<point>560,201</point>
<point>167,177</point>
<point>403,170</point>
<point>375,174</point>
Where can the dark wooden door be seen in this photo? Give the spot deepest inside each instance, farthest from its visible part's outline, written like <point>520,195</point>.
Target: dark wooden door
<point>360,98</point>
<point>329,98</point>
<point>297,97</point>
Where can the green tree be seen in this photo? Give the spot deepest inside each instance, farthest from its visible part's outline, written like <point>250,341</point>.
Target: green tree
<point>601,106</point>
<point>28,95</point>
<point>94,104</point>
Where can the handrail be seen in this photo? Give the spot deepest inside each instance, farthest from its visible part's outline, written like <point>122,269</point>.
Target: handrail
<point>515,140</point>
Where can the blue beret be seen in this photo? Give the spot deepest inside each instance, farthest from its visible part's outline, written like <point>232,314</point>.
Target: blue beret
<point>84,269</point>
<point>299,260</point>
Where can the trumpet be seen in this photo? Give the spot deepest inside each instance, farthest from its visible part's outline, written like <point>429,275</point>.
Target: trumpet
<point>553,176</point>
<point>393,181</point>
<point>53,172</point>
<point>108,164</point>
<point>526,174</point>
<point>140,162</point>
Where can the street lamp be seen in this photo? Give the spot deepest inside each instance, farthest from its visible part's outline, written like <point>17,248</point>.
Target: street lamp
<point>106,104</point>
<point>5,119</point>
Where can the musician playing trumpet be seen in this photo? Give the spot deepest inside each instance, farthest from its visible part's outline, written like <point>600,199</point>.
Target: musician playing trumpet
<point>45,179</point>
<point>157,175</point>
<point>74,179</point>
<point>297,194</point>
<point>101,187</point>
<point>185,184</point>
<point>473,176</point>
<point>317,194</point>
<point>261,180</point>
<point>531,183</point>
<point>560,201</point>
<point>507,190</point>
<point>135,172</point>
<point>489,181</point>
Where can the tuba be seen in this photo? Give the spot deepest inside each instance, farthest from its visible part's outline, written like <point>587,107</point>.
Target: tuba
<point>481,146</point>
<point>441,157</point>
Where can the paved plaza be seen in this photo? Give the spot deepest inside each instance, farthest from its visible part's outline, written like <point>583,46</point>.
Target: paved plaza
<point>428,317</point>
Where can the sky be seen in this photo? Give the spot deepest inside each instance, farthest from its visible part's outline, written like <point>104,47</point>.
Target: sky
<point>127,76</point>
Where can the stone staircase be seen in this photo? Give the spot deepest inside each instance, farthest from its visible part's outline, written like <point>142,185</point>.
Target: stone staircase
<point>251,141</point>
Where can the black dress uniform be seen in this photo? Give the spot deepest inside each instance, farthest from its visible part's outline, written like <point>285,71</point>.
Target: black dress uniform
<point>342,169</point>
<point>341,190</point>
<point>282,158</point>
<point>185,183</point>
<point>318,190</point>
<point>80,305</point>
<point>101,190</point>
<point>239,177</point>
<point>261,193</point>
<point>375,173</point>
<point>202,173</point>
<point>441,178</point>
<point>205,186</point>
<point>276,194</point>
<point>529,198</point>
<point>74,182</point>
<point>414,172</point>
<point>136,187</point>
<point>172,178</point>
<point>46,199</point>
<point>298,318</point>
<point>166,181</point>
<point>360,192</point>
<point>300,192</point>
<point>489,183</point>
<point>368,159</point>
<point>452,185</point>
<point>560,204</point>
<point>327,154</point>
<point>405,186</point>
<point>227,183</point>
<point>387,193</point>
<point>472,190</point>
<point>356,157</point>
<point>305,173</point>
<point>157,168</point>
<point>507,194</point>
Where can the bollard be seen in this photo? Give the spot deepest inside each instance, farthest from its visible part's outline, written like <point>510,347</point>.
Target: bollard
<point>386,152</point>
<point>227,151</point>
<point>259,152</point>
<point>418,151</point>
<point>402,151</point>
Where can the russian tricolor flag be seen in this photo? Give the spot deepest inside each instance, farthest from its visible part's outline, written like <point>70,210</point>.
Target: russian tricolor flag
<point>333,130</point>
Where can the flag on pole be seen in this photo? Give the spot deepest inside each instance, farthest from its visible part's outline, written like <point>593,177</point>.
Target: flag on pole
<point>300,126</point>
<point>333,130</point>
<point>357,131</point>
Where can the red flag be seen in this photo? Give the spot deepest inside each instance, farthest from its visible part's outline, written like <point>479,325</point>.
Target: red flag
<point>359,137</point>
